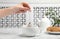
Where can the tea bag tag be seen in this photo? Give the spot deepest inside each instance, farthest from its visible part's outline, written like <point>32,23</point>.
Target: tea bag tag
<point>29,25</point>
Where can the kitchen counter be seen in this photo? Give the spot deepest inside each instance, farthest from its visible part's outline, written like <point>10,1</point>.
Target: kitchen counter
<point>17,36</point>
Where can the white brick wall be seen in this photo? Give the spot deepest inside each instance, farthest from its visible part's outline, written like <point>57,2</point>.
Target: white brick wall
<point>33,1</point>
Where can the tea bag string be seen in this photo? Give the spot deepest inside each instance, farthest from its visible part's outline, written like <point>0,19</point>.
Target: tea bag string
<point>29,24</point>
<point>29,16</point>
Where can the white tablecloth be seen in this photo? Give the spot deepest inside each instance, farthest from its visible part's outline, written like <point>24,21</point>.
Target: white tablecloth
<point>17,36</point>
<point>41,36</point>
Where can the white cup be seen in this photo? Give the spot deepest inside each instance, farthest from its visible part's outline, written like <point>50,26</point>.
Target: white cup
<point>30,31</point>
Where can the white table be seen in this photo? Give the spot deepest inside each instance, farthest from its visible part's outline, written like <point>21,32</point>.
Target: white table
<point>15,36</point>
<point>42,36</point>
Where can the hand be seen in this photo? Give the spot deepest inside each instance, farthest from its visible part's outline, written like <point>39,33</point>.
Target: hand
<point>21,8</point>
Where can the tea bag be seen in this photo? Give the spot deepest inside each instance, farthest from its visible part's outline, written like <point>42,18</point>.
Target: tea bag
<point>29,25</point>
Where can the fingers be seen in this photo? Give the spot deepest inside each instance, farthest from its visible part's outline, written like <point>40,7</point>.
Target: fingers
<point>26,9</point>
<point>22,10</point>
<point>23,7</point>
<point>26,5</point>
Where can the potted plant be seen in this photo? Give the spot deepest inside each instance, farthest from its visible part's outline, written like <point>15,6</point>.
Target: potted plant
<point>54,15</point>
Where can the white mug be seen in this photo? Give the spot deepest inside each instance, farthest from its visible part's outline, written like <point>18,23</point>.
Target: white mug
<point>30,31</point>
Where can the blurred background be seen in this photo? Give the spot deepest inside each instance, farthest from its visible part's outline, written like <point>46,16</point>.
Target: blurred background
<point>17,20</point>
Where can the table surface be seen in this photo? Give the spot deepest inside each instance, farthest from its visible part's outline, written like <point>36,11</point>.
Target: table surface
<point>16,36</point>
<point>42,36</point>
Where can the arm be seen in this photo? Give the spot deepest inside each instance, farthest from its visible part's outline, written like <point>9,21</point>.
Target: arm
<point>23,7</point>
<point>7,11</point>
